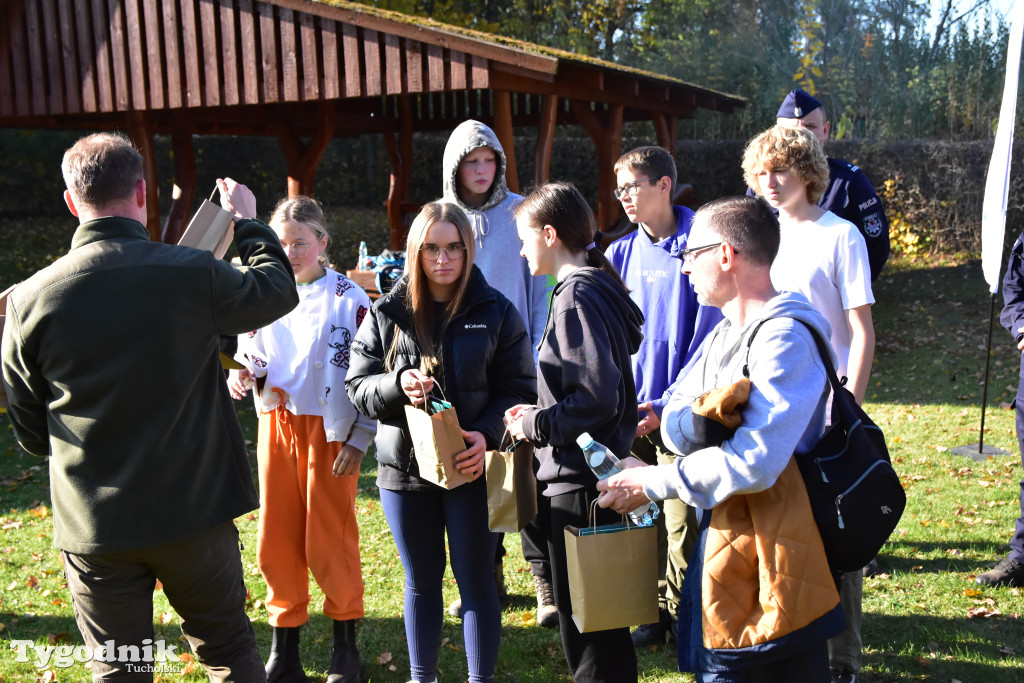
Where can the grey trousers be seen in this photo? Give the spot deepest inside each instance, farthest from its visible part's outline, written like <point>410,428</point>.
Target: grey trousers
<point>201,575</point>
<point>844,649</point>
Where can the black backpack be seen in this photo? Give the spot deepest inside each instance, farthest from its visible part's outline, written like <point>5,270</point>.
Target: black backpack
<point>856,496</point>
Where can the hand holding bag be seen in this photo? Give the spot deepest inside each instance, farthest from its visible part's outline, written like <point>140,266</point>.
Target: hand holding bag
<point>511,485</point>
<point>437,438</point>
<point>209,229</point>
<point>613,579</point>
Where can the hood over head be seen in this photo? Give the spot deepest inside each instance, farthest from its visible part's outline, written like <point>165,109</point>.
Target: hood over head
<point>468,136</point>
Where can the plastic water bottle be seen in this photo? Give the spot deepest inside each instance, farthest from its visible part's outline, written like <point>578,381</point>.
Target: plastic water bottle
<point>604,464</point>
<point>363,256</point>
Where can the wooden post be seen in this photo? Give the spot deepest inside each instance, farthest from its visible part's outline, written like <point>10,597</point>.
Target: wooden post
<point>506,136</point>
<point>400,153</point>
<point>665,134</point>
<point>606,132</point>
<point>142,134</point>
<point>183,191</point>
<point>301,158</point>
<point>545,138</point>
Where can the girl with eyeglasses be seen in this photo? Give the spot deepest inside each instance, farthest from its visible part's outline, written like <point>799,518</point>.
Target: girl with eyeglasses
<point>310,445</point>
<point>442,333</point>
<point>585,384</point>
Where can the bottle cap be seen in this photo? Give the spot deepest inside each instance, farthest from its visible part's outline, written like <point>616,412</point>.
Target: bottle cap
<point>584,440</point>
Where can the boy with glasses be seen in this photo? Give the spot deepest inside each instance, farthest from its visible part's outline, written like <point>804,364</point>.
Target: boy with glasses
<point>675,325</point>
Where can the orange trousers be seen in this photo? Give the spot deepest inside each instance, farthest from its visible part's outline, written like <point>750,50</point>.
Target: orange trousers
<point>307,521</point>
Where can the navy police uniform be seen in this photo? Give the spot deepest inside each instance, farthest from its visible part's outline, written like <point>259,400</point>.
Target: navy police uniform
<point>850,195</point>
<point>1012,318</point>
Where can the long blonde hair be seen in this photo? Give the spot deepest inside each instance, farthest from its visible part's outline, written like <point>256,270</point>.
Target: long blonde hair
<point>418,300</point>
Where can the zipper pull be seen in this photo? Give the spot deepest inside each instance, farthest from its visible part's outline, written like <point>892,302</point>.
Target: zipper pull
<point>817,461</point>
<point>839,515</point>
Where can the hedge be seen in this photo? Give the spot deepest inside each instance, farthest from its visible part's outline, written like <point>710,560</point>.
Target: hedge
<point>932,189</point>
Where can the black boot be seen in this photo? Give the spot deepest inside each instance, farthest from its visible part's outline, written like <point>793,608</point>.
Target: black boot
<point>345,663</point>
<point>283,665</point>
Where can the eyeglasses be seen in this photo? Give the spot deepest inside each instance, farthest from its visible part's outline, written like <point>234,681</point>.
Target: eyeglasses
<point>453,252</point>
<point>298,249</point>
<point>631,188</point>
<point>690,255</point>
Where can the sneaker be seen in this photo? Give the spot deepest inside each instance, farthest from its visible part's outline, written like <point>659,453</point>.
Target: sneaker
<point>872,568</point>
<point>844,675</point>
<point>1007,572</point>
<point>547,613</point>
<point>655,633</point>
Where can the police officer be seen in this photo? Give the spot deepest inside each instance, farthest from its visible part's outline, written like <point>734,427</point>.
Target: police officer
<point>850,195</point>
<point>1009,571</point>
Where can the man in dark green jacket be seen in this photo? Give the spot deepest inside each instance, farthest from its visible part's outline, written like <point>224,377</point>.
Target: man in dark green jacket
<point>112,369</point>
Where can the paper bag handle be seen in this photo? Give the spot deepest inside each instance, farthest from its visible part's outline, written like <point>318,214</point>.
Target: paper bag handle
<point>593,517</point>
<point>214,193</point>
<point>507,443</point>
<point>425,394</point>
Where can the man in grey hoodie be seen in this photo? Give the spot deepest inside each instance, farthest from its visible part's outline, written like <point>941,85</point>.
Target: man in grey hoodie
<point>474,180</point>
<point>735,241</point>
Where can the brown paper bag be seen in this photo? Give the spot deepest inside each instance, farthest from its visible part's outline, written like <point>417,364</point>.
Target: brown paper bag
<point>511,486</point>
<point>436,439</point>
<point>3,318</point>
<point>209,229</point>
<point>613,582</point>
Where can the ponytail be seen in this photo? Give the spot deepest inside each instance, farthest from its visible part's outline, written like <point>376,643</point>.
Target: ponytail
<point>561,205</point>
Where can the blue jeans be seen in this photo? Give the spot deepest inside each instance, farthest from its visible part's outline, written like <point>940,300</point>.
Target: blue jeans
<point>809,666</point>
<point>418,521</point>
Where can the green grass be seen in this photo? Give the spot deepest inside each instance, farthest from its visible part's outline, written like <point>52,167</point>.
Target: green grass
<point>925,618</point>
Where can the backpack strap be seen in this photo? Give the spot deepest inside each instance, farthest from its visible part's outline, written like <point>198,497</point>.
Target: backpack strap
<point>823,350</point>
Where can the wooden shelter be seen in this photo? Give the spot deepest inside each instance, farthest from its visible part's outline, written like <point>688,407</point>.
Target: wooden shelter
<point>305,71</point>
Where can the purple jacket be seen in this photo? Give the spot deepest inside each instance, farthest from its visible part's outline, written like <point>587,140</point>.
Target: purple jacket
<point>675,323</point>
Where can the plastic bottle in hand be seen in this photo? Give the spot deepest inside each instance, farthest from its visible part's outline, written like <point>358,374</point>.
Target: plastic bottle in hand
<point>604,464</point>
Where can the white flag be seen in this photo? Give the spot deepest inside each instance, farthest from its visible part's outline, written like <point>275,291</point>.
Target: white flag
<point>997,185</point>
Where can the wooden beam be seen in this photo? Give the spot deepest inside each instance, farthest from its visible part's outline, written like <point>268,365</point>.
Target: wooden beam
<point>605,129</point>
<point>506,136</point>
<point>141,132</point>
<point>662,132</point>
<point>184,190</point>
<point>247,34</point>
<point>153,68</point>
<point>545,139</point>
<point>72,90</point>
<point>302,158</point>
<point>400,153</point>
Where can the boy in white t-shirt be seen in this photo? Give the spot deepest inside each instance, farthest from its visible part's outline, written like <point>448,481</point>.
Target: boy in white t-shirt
<point>824,258</point>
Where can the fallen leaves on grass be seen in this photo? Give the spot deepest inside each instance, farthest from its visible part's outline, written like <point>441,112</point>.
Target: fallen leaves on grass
<point>982,612</point>
<point>384,658</point>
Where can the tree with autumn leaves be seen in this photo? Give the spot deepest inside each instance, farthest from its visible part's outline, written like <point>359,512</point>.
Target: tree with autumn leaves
<point>891,69</point>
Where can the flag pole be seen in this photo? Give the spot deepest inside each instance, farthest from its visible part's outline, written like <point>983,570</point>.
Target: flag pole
<point>984,388</point>
<point>993,210</point>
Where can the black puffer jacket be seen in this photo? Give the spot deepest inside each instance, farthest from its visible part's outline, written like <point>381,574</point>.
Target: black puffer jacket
<point>487,361</point>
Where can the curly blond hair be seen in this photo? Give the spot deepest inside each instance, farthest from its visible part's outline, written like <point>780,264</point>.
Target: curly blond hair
<point>782,147</point>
